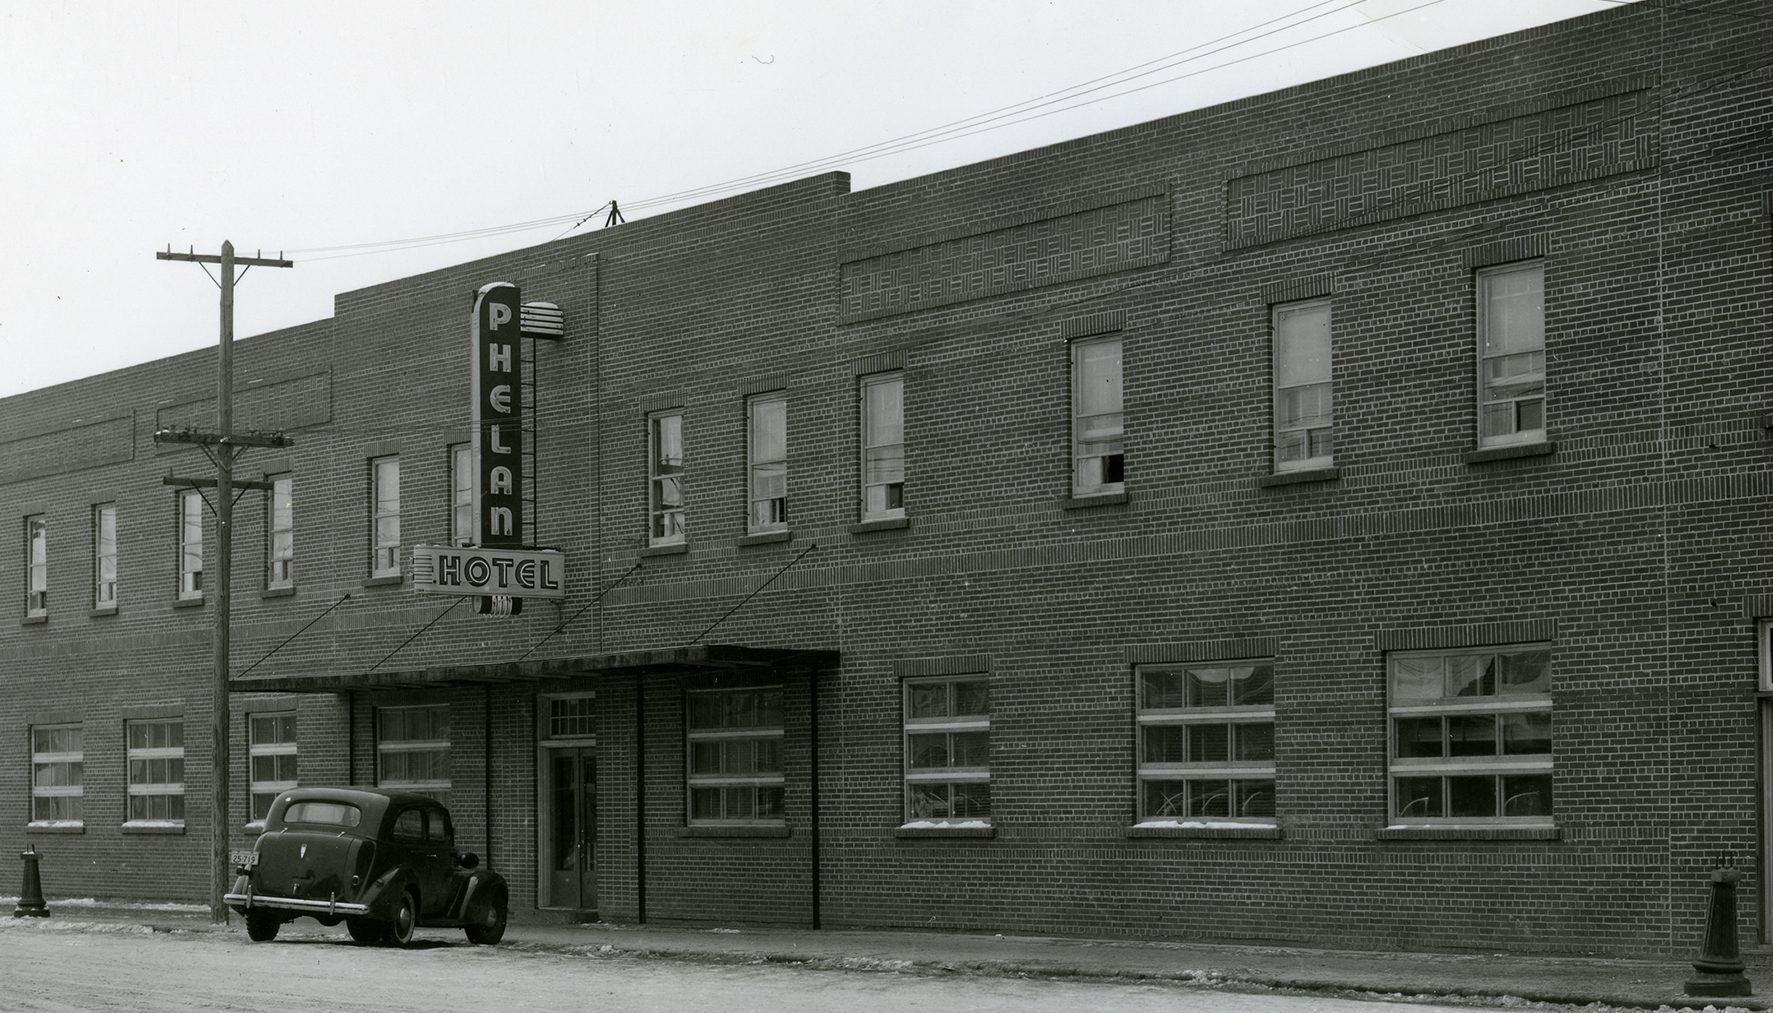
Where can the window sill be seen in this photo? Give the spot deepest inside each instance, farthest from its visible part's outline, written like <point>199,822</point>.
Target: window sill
<point>383,581</point>
<point>33,620</point>
<point>1250,832</point>
<point>187,603</point>
<point>104,610</point>
<point>765,538</point>
<point>928,830</point>
<point>1486,454</point>
<point>277,592</point>
<point>1468,834</point>
<point>1100,499</point>
<point>153,828</point>
<point>55,828</point>
<point>1299,477</point>
<point>737,830</point>
<point>884,524</point>
<point>679,549</point>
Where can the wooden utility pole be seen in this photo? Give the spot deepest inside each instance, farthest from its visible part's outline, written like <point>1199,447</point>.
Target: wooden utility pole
<point>222,445</point>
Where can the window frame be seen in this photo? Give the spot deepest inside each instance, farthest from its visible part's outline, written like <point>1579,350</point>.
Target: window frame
<point>104,555</point>
<point>667,521</point>
<point>191,505</point>
<point>72,760</point>
<point>1307,426</point>
<point>754,785</point>
<point>873,451</point>
<point>1237,775</point>
<point>36,566</point>
<point>1482,281</point>
<point>172,791</point>
<point>384,516</point>
<point>949,775</point>
<point>280,532</point>
<point>275,749</point>
<point>461,489</point>
<point>1499,764</point>
<point>1098,455</point>
<point>764,474</point>
<point>438,746</point>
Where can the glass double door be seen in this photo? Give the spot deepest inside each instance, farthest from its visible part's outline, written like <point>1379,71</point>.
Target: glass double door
<point>572,822</point>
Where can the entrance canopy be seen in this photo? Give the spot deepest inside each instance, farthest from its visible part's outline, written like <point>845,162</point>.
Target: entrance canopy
<point>706,659</point>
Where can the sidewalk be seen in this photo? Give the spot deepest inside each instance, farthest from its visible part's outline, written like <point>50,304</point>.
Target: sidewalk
<point>1640,984</point>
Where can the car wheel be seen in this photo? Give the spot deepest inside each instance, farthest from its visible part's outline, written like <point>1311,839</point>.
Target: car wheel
<point>398,932</point>
<point>261,926</point>
<point>491,928</point>
<point>364,930</point>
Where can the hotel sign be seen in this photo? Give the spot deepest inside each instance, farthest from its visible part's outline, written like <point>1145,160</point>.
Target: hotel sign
<point>520,573</point>
<point>498,418</point>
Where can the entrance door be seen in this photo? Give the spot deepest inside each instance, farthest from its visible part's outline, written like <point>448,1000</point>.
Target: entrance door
<point>572,875</point>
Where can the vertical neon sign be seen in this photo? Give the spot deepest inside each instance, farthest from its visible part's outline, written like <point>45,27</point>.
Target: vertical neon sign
<point>498,418</point>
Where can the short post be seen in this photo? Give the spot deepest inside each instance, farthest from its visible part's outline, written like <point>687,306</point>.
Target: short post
<point>30,895</point>
<point>1719,962</point>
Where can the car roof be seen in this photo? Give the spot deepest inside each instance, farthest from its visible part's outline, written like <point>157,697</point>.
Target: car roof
<point>377,803</point>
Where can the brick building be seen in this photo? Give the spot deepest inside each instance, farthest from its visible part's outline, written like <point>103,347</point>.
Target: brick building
<point>1326,517</point>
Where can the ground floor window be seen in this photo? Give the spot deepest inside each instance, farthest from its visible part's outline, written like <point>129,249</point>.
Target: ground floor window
<point>1471,735</point>
<point>412,749</point>
<point>58,760</point>
<point>734,738</point>
<point>948,750</point>
<point>271,744</point>
<point>1206,742</point>
<point>156,756</point>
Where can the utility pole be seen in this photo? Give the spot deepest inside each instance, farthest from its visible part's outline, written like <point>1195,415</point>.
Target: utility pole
<point>222,446</point>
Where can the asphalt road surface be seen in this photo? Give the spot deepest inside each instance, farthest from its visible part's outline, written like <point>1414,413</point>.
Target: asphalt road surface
<point>100,969</point>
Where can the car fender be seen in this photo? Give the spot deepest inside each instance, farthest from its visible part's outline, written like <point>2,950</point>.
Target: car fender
<point>383,893</point>
<point>476,889</point>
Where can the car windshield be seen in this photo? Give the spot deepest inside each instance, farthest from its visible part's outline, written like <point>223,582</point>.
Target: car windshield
<point>332,814</point>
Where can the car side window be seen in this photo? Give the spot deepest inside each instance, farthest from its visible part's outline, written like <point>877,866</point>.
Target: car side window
<point>410,826</point>
<point>437,823</point>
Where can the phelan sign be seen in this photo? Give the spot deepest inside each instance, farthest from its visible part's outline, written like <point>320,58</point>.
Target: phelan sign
<point>521,573</point>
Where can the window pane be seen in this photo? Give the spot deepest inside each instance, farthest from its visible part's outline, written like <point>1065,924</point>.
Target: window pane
<point>1416,680</point>
<point>970,749</point>
<point>929,751</point>
<point>1254,742</point>
<point>1209,799</point>
<point>1524,672</point>
<point>1209,743</point>
<point>1525,734</point>
<point>1513,304</point>
<point>929,700</point>
<point>1526,795</point>
<point>1471,675</point>
<point>1471,796</point>
<point>972,801</point>
<point>1253,686</point>
<point>1165,744</point>
<point>1418,737</point>
<point>1162,688</point>
<point>1419,798</point>
<point>973,697</point>
<point>883,412</point>
<point>1471,735</point>
<point>1255,799</point>
<point>1209,687</point>
<point>1301,344</point>
<point>1098,377</point>
<point>1166,800</point>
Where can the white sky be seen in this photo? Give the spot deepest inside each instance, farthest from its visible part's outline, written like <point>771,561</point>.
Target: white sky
<point>309,125</point>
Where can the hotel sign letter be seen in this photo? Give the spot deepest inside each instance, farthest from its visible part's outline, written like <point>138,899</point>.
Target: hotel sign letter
<point>498,418</point>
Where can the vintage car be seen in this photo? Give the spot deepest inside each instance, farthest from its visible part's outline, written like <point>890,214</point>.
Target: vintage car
<point>382,862</point>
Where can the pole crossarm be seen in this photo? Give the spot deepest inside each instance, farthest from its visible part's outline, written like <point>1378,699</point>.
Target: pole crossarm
<point>210,258</point>
<point>210,483</point>
<point>222,439</point>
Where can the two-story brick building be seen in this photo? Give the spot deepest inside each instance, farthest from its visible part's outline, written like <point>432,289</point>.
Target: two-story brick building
<point>1336,515</point>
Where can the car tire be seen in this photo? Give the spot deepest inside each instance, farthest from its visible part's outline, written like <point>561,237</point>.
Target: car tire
<point>491,928</point>
<point>261,926</point>
<point>398,930</point>
<point>364,930</point>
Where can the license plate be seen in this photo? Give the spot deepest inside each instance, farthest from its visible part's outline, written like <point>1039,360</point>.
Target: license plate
<point>244,859</point>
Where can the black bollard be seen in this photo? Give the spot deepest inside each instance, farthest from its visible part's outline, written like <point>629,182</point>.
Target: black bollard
<point>1719,962</point>
<point>30,896</point>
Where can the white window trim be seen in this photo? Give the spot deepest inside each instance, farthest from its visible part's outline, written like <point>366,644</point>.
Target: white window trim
<point>657,509</point>
<point>134,788</point>
<point>385,747</point>
<point>1397,766</point>
<point>281,486</point>
<point>57,791</point>
<point>1308,463</point>
<point>1226,770</point>
<point>1081,483</point>
<point>752,465</point>
<point>36,566</point>
<point>693,781</point>
<point>190,545</point>
<point>946,775</point>
<point>104,593</point>
<point>1522,437</point>
<point>863,388</point>
<point>255,749</point>
<point>377,514</point>
<point>461,491</point>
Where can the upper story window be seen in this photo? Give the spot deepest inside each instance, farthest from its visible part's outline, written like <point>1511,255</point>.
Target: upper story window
<point>384,516</point>
<point>1098,464</point>
<point>1206,742</point>
<point>104,556</point>
<point>461,495</point>
<point>767,418</point>
<point>948,750</point>
<point>36,565</point>
<point>883,446</point>
<point>190,544</point>
<point>665,507</point>
<point>734,738</point>
<point>1471,735</point>
<point>1511,354</point>
<point>280,534</point>
<point>1302,392</point>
